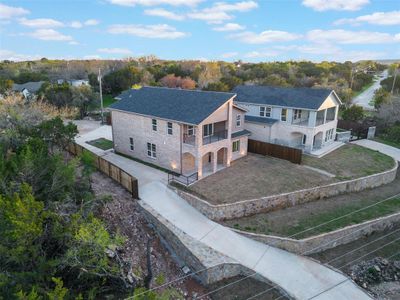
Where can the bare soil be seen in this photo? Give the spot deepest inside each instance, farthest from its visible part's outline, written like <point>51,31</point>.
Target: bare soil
<point>122,215</point>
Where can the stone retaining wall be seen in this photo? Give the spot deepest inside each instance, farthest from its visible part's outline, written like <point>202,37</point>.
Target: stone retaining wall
<point>274,202</point>
<point>319,243</point>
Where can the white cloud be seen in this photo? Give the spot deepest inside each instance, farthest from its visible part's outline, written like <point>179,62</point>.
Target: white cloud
<point>160,12</point>
<point>156,2</point>
<point>11,55</point>
<point>8,12</point>
<point>212,17</point>
<point>49,35</point>
<point>341,36</point>
<point>94,56</point>
<point>91,22</point>
<point>158,31</point>
<point>377,18</point>
<point>266,36</point>
<point>122,51</point>
<point>229,54</point>
<point>323,5</point>
<point>229,27</point>
<point>76,24</point>
<point>261,54</point>
<point>40,23</point>
<point>238,6</point>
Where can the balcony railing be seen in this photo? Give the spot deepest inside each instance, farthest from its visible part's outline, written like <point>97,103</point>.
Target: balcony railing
<point>189,139</point>
<point>183,179</point>
<point>215,137</point>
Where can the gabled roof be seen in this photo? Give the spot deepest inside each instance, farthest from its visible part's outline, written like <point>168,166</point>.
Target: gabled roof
<point>306,98</point>
<point>32,86</point>
<point>264,120</point>
<point>186,106</point>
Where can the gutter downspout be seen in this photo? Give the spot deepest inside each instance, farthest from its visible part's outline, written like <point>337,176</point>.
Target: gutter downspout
<point>181,141</point>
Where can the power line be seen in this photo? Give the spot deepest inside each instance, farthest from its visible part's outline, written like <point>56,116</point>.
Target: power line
<point>293,235</point>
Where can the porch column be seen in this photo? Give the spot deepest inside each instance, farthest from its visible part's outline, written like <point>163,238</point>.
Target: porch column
<point>325,111</point>
<point>200,166</point>
<point>214,162</point>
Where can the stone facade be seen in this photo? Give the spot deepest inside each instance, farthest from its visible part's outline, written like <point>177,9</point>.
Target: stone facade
<point>322,242</point>
<point>274,202</point>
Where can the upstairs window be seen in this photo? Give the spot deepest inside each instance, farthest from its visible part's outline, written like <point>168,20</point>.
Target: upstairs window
<point>238,120</point>
<point>154,124</point>
<point>131,144</point>
<point>169,128</point>
<point>265,111</point>
<point>208,130</point>
<point>190,130</point>
<point>284,114</point>
<point>296,114</point>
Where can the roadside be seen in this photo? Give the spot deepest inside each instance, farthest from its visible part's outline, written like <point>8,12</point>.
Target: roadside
<point>386,149</point>
<point>366,97</point>
<point>286,222</point>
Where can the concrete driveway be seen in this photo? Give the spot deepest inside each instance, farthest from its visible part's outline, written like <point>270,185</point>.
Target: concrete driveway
<point>365,98</point>
<point>383,148</point>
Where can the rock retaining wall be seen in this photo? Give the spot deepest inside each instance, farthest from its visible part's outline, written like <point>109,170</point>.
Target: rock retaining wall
<point>274,202</point>
<point>328,240</point>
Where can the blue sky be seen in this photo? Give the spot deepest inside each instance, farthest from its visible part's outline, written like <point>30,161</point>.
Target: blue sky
<point>249,30</point>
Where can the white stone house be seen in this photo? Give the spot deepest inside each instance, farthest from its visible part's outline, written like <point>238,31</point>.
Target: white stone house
<point>184,131</point>
<point>302,118</point>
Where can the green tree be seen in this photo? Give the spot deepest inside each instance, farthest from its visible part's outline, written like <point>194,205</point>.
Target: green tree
<point>5,85</point>
<point>217,86</point>
<point>83,97</point>
<point>353,113</point>
<point>381,96</point>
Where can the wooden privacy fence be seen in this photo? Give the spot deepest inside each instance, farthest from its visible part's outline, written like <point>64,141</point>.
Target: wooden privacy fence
<point>291,154</point>
<point>126,180</point>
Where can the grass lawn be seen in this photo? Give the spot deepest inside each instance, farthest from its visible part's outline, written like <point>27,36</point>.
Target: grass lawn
<point>351,161</point>
<point>101,143</point>
<point>289,221</point>
<point>108,100</point>
<point>387,142</point>
<point>256,176</point>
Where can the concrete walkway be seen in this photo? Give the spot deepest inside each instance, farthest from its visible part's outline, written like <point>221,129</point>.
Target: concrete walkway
<point>383,148</point>
<point>299,276</point>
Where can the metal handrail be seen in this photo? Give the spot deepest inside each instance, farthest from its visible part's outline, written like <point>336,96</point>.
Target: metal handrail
<point>183,179</point>
<point>215,137</point>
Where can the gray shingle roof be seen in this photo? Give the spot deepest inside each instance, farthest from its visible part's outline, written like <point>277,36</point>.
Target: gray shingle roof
<point>186,106</point>
<point>32,86</point>
<point>306,98</point>
<point>260,120</point>
<point>240,133</point>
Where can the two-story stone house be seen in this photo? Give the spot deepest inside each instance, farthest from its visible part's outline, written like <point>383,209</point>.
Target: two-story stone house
<point>185,131</point>
<point>303,118</point>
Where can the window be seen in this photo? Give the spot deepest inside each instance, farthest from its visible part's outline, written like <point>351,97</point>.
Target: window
<point>236,146</point>
<point>190,130</point>
<point>238,120</point>
<point>169,128</point>
<point>304,139</point>
<point>131,145</point>
<point>297,114</point>
<point>154,123</point>
<point>329,135</point>
<point>151,150</point>
<point>265,111</point>
<point>208,129</point>
<point>284,114</point>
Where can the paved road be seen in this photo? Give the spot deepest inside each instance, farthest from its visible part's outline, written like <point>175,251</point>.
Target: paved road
<point>385,149</point>
<point>366,97</point>
<point>300,277</point>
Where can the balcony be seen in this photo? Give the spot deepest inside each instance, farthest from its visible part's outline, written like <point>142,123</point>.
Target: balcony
<point>189,139</point>
<point>215,137</point>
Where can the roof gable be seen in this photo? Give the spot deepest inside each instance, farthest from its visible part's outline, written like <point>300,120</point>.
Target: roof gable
<point>304,98</point>
<point>186,106</point>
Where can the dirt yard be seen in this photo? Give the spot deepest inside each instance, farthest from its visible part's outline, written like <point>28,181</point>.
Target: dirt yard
<point>351,161</point>
<point>255,176</point>
<point>122,214</point>
<point>289,221</point>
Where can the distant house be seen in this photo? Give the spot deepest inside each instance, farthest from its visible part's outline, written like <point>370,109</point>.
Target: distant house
<point>28,89</point>
<point>185,131</point>
<point>302,118</point>
<point>74,82</point>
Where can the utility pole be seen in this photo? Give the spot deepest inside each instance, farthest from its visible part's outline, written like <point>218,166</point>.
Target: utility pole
<point>101,97</point>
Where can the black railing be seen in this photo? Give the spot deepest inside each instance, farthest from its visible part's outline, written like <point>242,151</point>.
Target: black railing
<point>215,137</point>
<point>183,179</point>
<point>189,139</point>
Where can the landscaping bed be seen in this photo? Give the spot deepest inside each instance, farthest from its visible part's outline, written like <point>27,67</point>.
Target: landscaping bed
<point>289,221</point>
<point>101,143</point>
<point>351,161</point>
